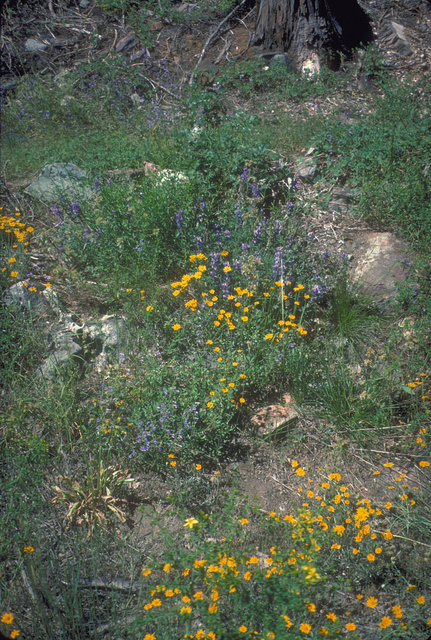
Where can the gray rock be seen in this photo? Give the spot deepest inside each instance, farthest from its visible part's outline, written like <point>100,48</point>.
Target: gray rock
<point>84,3</point>
<point>126,43</point>
<point>103,339</point>
<point>305,169</point>
<point>61,78</point>
<point>60,358</point>
<point>281,58</point>
<point>140,54</point>
<point>40,303</point>
<point>136,99</point>
<point>393,36</point>
<point>60,180</point>
<point>34,46</point>
<point>65,331</point>
<point>96,342</point>
<point>378,263</point>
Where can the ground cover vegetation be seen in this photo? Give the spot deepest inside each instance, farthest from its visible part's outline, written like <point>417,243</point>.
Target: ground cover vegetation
<point>230,303</point>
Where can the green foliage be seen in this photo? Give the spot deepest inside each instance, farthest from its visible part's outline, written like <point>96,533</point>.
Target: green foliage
<point>257,76</point>
<point>94,499</point>
<point>387,153</point>
<point>208,257</point>
<point>351,312</point>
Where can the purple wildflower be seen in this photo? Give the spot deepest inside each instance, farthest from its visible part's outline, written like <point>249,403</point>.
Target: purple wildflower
<point>215,259</point>
<point>257,233</point>
<point>255,190</point>
<point>277,269</point>
<point>75,208</point>
<point>179,218</point>
<point>245,175</point>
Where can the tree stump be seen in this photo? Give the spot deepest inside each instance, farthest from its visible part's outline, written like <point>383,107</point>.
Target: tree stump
<point>304,28</point>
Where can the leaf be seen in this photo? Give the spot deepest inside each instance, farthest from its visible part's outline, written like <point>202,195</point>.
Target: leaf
<point>408,390</point>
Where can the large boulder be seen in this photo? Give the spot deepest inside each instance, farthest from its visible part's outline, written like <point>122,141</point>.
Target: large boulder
<point>61,180</point>
<point>379,263</point>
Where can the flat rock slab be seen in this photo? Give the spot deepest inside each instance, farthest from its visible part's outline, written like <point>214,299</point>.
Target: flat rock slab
<point>60,180</point>
<point>379,263</point>
<point>275,418</point>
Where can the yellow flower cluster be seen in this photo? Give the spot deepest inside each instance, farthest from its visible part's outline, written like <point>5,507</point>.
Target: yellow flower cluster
<point>227,575</point>
<point>186,279</point>
<point>210,298</point>
<point>14,226</point>
<point>17,231</point>
<point>8,618</point>
<point>424,385</point>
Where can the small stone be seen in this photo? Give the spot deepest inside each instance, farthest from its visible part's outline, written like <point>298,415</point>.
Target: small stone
<point>140,54</point>
<point>275,419</point>
<point>305,169</point>
<point>156,26</point>
<point>84,3</point>
<point>136,99</point>
<point>126,43</point>
<point>34,46</point>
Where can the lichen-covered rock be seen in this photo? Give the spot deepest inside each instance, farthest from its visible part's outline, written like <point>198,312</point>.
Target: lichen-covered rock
<point>60,180</point>
<point>37,303</point>
<point>104,338</point>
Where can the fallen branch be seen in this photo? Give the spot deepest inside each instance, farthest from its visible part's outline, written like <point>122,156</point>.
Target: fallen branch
<point>153,82</point>
<point>210,38</point>
<point>249,40</point>
<point>115,585</point>
<point>225,49</point>
<point>51,9</point>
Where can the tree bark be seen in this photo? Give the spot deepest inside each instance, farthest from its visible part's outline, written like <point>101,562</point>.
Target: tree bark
<point>299,27</point>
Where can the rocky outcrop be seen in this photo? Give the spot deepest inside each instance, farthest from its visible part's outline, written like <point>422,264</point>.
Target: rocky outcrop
<point>96,342</point>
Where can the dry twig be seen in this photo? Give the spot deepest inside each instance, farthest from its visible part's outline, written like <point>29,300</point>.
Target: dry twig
<point>210,38</point>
